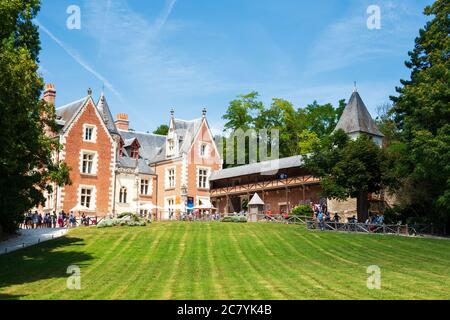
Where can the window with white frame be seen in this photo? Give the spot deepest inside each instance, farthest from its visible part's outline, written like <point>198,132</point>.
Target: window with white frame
<point>86,197</point>
<point>203,149</point>
<point>170,147</point>
<point>202,181</point>
<point>170,178</point>
<point>143,213</point>
<point>50,200</point>
<point>144,187</point>
<point>170,205</point>
<point>87,166</point>
<point>89,133</point>
<point>123,195</point>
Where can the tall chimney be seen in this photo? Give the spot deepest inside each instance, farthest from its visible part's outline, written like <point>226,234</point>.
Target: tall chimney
<point>122,122</point>
<point>50,94</point>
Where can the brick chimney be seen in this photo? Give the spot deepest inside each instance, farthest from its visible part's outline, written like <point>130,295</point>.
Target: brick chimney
<point>122,122</point>
<point>50,94</point>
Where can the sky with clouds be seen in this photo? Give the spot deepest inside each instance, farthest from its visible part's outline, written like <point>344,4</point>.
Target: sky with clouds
<point>153,55</point>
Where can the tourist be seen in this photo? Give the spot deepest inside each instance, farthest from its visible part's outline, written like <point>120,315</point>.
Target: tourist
<point>61,220</point>
<point>320,220</point>
<point>336,217</point>
<point>72,221</point>
<point>53,219</point>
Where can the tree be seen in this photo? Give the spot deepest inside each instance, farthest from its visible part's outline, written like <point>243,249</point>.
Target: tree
<point>26,164</point>
<point>320,119</point>
<point>348,168</point>
<point>421,114</point>
<point>298,129</point>
<point>162,130</point>
<point>243,111</point>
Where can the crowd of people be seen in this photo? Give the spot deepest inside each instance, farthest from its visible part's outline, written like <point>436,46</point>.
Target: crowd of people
<point>200,215</point>
<point>36,220</point>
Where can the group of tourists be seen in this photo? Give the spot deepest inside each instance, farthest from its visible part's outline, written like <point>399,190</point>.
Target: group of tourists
<point>36,220</point>
<point>200,215</point>
<point>322,215</point>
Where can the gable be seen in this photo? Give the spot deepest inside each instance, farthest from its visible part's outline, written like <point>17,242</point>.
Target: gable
<point>87,113</point>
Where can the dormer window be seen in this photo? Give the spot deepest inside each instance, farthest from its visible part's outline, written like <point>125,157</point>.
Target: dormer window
<point>134,153</point>
<point>170,147</point>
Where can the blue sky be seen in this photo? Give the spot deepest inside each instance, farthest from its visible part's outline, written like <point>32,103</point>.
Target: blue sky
<point>153,55</point>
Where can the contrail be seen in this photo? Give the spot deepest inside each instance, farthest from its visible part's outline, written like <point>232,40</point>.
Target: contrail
<point>81,62</point>
<point>162,19</point>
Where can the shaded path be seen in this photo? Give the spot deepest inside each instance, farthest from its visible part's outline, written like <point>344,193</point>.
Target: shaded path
<point>30,237</point>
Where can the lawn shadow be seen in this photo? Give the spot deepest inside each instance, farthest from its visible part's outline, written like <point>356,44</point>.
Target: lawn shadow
<point>40,262</point>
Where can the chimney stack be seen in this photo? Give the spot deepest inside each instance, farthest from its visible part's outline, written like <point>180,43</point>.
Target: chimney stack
<point>122,122</point>
<point>50,94</point>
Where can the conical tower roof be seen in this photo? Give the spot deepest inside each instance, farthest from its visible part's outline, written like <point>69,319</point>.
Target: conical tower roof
<point>356,118</point>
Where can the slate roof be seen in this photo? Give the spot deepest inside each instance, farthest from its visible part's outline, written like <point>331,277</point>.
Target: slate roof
<point>105,112</point>
<point>66,113</point>
<point>356,118</point>
<point>187,130</point>
<point>257,168</point>
<point>151,144</point>
<point>129,163</point>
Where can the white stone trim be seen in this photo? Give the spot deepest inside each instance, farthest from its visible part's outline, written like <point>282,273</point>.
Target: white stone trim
<point>166,177</point>
<point>197,176</point>
<point>94,164</point>
<point>184,171</point>
<point>94,133</point>
<point>93,203</point>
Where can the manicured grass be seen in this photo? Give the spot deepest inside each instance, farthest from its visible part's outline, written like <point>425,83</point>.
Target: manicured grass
<point>227,261</point>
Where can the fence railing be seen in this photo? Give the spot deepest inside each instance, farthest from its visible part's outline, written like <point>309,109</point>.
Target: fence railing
<point>358,227</point>
<point>399,229</point>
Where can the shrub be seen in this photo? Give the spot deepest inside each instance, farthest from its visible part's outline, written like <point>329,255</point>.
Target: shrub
<point>236,219</point>
<point>303,210</point>
<point>126,219</point>
<point>125,214</point>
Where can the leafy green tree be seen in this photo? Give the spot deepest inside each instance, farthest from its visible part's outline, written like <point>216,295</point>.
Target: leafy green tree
<point>320,119</point>
<point>308,142</point>
<point>243,111</point>
<point>26,164</point>
<point>162,130</point>
<point>349,168</point>
<point>421,114</point>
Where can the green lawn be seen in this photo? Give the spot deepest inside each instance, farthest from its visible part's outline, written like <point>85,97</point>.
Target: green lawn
<point>227,261</point>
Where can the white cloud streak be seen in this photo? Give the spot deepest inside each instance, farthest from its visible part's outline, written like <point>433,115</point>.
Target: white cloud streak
<point>165,14</point>
<point>72,53</point>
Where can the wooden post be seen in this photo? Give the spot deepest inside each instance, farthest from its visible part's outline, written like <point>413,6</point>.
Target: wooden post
<point>287,200</point>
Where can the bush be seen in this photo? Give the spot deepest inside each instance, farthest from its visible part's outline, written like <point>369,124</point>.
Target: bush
<point>303,210</point>
<point>124,219</point>
<point>235,219</point>
<point>125,214</point>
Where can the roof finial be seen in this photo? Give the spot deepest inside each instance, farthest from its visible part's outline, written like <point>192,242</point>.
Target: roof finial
<point>204,111</point>
<point>355,89</point>
<point>172,112</point>
<point>89,92</point>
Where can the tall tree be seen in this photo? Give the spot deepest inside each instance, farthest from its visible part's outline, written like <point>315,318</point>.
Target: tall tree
<point>26,164</point>
<point>348,168</point>
<point>421,113</point>
<point>162,130</point>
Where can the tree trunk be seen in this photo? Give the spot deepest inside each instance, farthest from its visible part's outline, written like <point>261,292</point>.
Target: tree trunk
<point>362,205</point>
